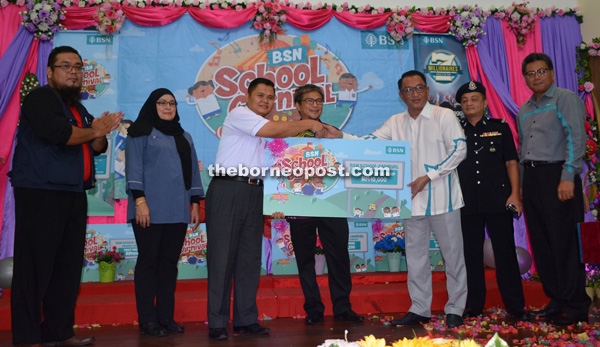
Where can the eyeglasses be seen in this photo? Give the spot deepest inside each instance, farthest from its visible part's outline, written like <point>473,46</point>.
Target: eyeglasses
<point>68,68</point>
<point>540,72</point>
<point>164,103</point>
<point>312,101</point>
<point>419,88</point>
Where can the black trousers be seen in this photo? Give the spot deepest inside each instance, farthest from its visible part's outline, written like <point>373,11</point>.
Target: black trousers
<point>333,233</point>
<point>501,231</point>
<point>553,233</point>
<point>234,230</point>
<point>48,252</point>
<point>159,247</point>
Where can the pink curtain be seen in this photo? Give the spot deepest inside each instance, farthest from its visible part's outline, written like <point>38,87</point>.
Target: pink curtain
<point>153,16</point>
<point>308,20</point>
<point>10,20</point>
<point>431,24</point>
<point>515,55</point>
<point>362,20</point>
<point>589,106</point>
<point>222,19</point>
<point>79,17</point>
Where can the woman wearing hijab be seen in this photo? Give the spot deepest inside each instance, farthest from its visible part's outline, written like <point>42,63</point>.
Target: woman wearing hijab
<point>163,181</point>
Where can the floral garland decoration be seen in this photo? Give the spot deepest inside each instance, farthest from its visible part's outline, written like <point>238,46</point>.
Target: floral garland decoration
<point>109,18</point>
<point>585,52</point>
<point>399,24</point>
<point>42,18</point>
<point>467,24</point>
<point>30,82</point>
<point>521,20</point>
<point>269,19</point>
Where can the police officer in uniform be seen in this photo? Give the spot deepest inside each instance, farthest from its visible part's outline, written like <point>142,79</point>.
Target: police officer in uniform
<point>489,178</point>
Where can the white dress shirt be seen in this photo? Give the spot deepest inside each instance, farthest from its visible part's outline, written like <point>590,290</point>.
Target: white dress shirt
<point>437,145</point>
<point>239,143</point>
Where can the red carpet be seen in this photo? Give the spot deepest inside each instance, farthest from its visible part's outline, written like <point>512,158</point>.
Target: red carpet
<point>278,296</point>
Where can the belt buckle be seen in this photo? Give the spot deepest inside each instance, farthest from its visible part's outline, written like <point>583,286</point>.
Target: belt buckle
<point>253,181</point>
<point>532,163</point>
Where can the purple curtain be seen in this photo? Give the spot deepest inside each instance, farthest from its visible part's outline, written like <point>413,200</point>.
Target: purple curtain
<point>560,38</point>
<point>492,54</point>
<point>11,65</point>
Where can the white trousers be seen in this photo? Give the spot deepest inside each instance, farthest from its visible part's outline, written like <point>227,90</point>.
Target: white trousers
<point>447,230</point>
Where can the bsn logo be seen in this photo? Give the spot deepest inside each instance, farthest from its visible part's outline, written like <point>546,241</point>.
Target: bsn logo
<point>433,40</point>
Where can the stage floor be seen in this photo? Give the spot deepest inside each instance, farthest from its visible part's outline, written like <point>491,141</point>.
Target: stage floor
<point>293,332</point>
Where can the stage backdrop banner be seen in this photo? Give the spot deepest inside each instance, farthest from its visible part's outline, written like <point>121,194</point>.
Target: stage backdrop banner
<point>443,60</point>
<point>103,237</point>
<point>209,69</point>
<point>337,178</point>
<point>364,233</point>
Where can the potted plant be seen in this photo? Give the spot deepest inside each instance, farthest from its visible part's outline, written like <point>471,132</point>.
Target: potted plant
<point>319,257</point>
<point>393,247</point>
<point>107,263</point>
<point>592,281</point>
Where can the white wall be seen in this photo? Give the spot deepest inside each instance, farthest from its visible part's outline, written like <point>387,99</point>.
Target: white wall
<point>590,10</point>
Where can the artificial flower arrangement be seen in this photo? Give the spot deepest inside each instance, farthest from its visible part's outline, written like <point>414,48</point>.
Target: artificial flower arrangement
<point>585,52</point>
<point>269,19</point>
<point>592,278</point>
<point>30,82</point>
<point>109,256</point>
<point>109,18</point>
<point>521,20</point>
<point>467,23</point>
<point>42,18</point>
<point>390,244</point>
<point>372,341</point>
<point>399,24</point>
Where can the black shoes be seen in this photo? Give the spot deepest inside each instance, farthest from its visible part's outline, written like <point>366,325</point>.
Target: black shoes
<point>171,326</point>
<point>453,320</point>
<point>217,333</point>
<point>546,312</point>
<point>152,329</point>
<point>252,329</point>
<point>471,314</point>
<point>313,319</point>
<point>349,316</point>
<point>523,316</point>
<point>410,319</point>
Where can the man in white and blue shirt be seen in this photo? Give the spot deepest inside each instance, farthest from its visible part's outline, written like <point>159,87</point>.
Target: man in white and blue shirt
<point>437,145</point>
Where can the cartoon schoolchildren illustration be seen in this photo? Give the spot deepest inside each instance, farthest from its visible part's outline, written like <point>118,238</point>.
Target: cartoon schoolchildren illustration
<point>308,188</point>
<point>192,259</point>
<point>120,148</point>
<point>347,90</point>
<point>387,212</point>
<point>297,187</point>
<point>129,276</point>
<point>363,268</point>
<point>120,277</point>
<point>319,186</point>
<point>358,212</point>
<point>395,211</point>
<point>357,268</point>
<point>202,95</point>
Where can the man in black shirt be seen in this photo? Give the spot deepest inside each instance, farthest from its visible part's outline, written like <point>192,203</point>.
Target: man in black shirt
<point>52,168</point>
